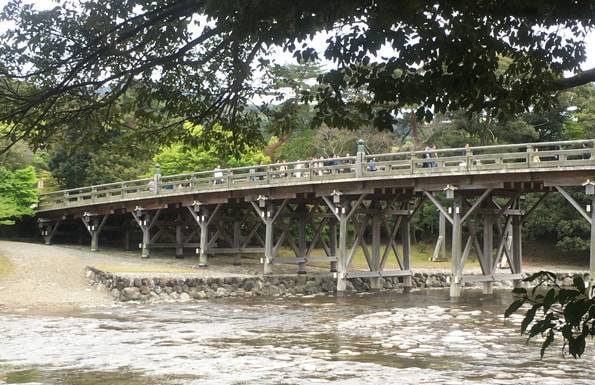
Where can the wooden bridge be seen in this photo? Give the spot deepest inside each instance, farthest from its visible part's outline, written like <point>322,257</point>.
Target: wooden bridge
<point>339,205</point>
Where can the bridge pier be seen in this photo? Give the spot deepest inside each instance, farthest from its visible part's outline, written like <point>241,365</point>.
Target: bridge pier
<point>203,217</point>
<point>439,254</point>
<point>517,248</point>
<point>343,210</point>
<point>268,214</point>
<point>458,216</point>
<point>48,229</point>
<point>332,226</point>
<point>145,221</point>
<point>237,257</point>
<point>457,252</point>
<point>179,225</point>
<point>302,215</point>
<point>375,258</point>
<point>486,259</point>
<point>406,258</point>
<point>592,242</point>
<point>94,227</point>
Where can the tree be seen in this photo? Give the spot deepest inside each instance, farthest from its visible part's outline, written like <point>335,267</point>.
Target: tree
<point>75,163</point>
<point>179,158</point>
<point>194,60</point>
<point>17,194</point>
<point>556,312</point>
<point>335,142</point>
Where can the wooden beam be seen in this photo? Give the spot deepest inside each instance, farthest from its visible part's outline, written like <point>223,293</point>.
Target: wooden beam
<point>439,206</point>
<point>574,203</point>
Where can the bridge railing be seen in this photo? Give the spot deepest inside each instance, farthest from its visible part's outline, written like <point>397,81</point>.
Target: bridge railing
<point>440,161</point>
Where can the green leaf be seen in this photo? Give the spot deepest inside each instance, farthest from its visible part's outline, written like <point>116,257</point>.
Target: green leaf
<point>574,311</point>
<point>529,316</point>
<point>576,346</point>
<point>548,341</point>
<point>579,283</point>
<point>514,307</point>
<point>519,290</point>
<point>549,299</point>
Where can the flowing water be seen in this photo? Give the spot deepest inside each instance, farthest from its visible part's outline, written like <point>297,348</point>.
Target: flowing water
<point>385,338</point>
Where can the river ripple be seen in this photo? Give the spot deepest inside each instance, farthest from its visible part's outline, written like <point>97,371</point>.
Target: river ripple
<point>418,338</point>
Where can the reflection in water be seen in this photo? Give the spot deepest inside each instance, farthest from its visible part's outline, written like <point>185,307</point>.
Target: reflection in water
<point>418,338</point>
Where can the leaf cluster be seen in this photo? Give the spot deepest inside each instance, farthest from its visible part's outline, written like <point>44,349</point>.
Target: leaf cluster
<point>568,313</point>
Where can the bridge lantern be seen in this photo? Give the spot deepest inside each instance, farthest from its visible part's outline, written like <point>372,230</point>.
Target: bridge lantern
<point>336,196</point>
<point>361,145</point>
<point>262,199</point>
<point>589,187</point>
<point>450,191</point>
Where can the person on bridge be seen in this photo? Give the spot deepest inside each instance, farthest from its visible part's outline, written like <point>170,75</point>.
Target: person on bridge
<point>372,164</point>
<point>283,167</point>
<point>434,155</point>
<point>586,154</point>
<point>426,157</point>
<point>536,158</point>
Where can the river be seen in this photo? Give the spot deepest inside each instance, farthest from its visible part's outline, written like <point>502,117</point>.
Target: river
<point>384,338</point>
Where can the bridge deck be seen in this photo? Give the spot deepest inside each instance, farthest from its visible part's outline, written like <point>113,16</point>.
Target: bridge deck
<point>570,160</point>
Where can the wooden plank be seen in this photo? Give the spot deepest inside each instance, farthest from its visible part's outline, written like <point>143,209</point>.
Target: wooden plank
<point>379,274</point>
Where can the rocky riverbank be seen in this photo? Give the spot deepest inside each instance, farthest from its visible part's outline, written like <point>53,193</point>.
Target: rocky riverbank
<point>132,287</point>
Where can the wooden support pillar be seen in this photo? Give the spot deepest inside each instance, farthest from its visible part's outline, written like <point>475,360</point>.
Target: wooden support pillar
<point>237,258</point>
<point>488,249</point>
<point>376,282</point>
<point>79,235</point>
<point>406,239</point>
<point>268,242</point>
<point>342,252</point>
<point>517,249</point>
<point>48,229</point>
<point>203,217</point>
<point>333,243</point>
<point>439,254</point>
<point>145,221</point>
<point>179,237</point>
<point>457,252</point>
<point>126,239</point>
<point>203,223</point>
<point>592,243</point>
<point>342,213</point>
<point>302,214</point>
<point>94,227</point>
<point>268,214</point>
<point>146,231</point>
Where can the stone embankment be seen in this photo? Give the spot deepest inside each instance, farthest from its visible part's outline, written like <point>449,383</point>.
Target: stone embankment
<point>131,287</point>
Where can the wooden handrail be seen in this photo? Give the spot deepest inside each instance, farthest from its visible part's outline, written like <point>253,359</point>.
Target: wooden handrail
<point>453,160</point>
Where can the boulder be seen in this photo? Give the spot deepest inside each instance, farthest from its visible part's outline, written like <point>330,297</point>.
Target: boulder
<point>130,294</point>
<point>115,293</point>
<point>184,297</point>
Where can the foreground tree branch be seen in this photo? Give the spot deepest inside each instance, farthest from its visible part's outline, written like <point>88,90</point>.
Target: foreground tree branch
<point>168,61</point>
<point>583,77</point>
